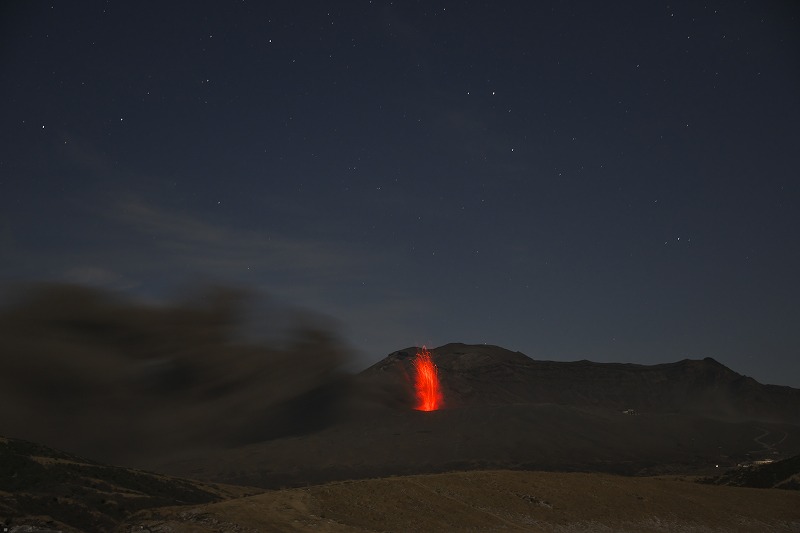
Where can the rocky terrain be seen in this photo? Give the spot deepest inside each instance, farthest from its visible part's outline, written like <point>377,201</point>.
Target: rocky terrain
<point>519,444</point>
<point>492,501</point>
<point>49,489</point>
<point>783,474</point>
<point>45,491</point>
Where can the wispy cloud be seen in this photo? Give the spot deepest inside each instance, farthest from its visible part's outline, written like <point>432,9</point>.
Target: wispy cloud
<point>219,249</point>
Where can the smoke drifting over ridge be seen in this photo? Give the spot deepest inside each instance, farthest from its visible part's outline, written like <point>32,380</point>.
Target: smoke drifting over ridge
<point>116,380</point>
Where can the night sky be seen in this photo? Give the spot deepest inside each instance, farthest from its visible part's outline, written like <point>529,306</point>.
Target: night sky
<point>613,181</point>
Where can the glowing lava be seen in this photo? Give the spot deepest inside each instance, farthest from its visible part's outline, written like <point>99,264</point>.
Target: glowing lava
<point>429,394</point>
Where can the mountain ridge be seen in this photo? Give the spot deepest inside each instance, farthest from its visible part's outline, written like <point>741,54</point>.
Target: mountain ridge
<point>489,374</point>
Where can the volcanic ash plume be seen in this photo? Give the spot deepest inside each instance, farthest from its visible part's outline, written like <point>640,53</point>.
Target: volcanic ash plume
<point>122,381</point>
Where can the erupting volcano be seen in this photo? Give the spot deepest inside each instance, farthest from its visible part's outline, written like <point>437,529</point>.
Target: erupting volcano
<point>426,382</point>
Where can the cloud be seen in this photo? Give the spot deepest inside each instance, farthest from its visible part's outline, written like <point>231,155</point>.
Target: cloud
<point>123,232</point>
<point>126,232</point>
<point>94,276</point>
<point>217,249</point>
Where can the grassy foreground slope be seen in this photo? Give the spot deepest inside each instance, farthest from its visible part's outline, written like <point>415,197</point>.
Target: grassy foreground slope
<point>492,501</point>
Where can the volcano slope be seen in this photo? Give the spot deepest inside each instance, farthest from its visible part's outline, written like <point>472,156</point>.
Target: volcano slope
<point>504,410</point>
<point>480,463</point>
<point>490,375</point>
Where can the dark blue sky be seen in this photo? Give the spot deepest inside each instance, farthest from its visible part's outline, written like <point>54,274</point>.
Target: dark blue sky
<point>615,181</point>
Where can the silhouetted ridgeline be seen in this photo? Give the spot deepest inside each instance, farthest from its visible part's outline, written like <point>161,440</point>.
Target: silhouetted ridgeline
<point>481,374</point>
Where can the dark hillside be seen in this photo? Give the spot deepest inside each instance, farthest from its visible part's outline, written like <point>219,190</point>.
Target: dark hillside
<point>481,375</point>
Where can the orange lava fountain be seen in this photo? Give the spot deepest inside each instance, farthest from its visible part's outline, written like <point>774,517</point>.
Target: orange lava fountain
<point>429,394</point>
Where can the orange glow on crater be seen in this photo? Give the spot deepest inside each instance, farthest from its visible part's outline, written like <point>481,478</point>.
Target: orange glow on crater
<point>426,382</point>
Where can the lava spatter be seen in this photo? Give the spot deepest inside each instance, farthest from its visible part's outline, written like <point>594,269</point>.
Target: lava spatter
<point>426,382</point>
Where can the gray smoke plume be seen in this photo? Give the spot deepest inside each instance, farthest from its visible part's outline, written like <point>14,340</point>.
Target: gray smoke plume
<point>127,382</point>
